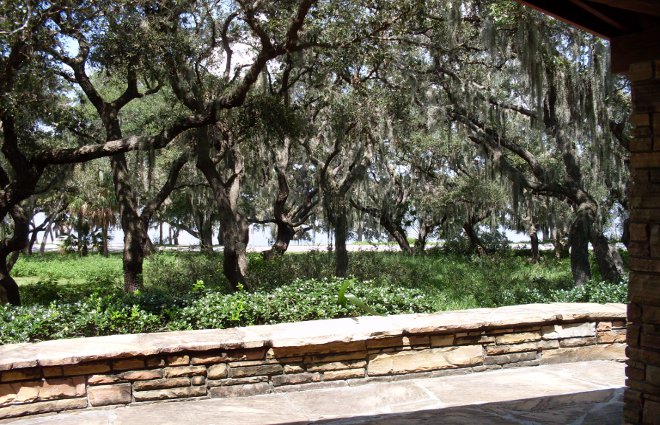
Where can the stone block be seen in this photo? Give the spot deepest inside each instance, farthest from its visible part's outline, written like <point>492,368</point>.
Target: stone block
<point>21,375</point>
<point>42,390</point>
<point>253,354</point>
<point>241,390</point>
<point>43,407</point>
<point>424,360</point>
<point>178,360</point>
<point>239,381</point>
<point>198,380</point>
<point>169,393</point>
<point>572,330</point>
<point>397,341</point>
<point>603,326</point>
<point>104,395</point>
<point>510,358</point>
<point>336,366</point>
<point>512,348</point>
<point>651,412</point>
<point>442,340</point>
<point>333,375</point>
<point>651,314</point>
<point>640,120</point>
<point>155,362</point>
<point>295,379</point>
<point>207,359</point>
<point>142,375</point>
<point>635,373</point>
<point>416,340</point>
<point>128,364</point>
<point>52,371</point>
<point>293,368</point>
<point>640,71</point>
<point>175,372</point>
<point>577,342</point>
<point>102,379</point>
<point>611,336</point>
<point>516,338</point>
<point>335,357</point>
<point>217,371</point>
<point>161,383</point>
<point>86,369</point>
<point>334,347</point>
<point>271,369</point>
<point>587,353</point>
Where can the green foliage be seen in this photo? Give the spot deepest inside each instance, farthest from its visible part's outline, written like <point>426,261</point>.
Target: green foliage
<point>184,292</point>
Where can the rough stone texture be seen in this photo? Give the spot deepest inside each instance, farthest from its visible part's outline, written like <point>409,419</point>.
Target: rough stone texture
<point>572,330</point>
<point>241,372</point>
<point>102,379</point>
<point>43,407</point>
<point>178,360</point>
<point>595,352</point>
<point>577,342</point>
<point>128,364</point>
<point>141,375</point>
<point>513,348</point>
<point>51,389</point>
<point>169,393</point>
<point>337,366</point>
<point>240,390</point>
<point>516,338</point>
<point>239,381</point>
<point>297,378</point>
<point>21,375</point>
<point>217,371</point>
<point>293,368</point>
<point>86,369</point>
<point>206,359</point>
<point>175,372</point>
<point>332,375</point>
<point>161,383</point>
<point>420,361</point>
<point>103,395</point>
<point>510,358</point>
<point>442,340</point>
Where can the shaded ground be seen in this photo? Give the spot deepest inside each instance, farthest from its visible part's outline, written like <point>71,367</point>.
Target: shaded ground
<point>572,393</point>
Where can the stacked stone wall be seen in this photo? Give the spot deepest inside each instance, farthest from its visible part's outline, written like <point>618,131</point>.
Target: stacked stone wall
<point>642,398</point>
<point>119,370</point>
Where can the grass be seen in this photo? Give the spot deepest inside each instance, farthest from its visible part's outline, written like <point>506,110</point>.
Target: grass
<point>68,296</point>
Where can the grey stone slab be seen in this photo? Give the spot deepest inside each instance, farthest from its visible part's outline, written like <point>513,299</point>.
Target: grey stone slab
<point>369,399</point>
<point>510,384</point>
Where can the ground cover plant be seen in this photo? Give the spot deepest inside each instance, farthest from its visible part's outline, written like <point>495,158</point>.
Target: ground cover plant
<point>68,296</point>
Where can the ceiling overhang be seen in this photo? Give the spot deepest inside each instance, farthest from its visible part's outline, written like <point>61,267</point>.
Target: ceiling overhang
<point>632,26</point>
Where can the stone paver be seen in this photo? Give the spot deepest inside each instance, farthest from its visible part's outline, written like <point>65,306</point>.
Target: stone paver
<point>571,393</point>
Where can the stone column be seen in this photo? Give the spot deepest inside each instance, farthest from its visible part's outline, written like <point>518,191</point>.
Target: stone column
<point>642,397</point>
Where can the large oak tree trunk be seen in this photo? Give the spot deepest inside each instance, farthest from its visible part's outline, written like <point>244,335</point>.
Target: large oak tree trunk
<point>534,243</point>
<point>133,254</point>
<point>285,233</point>
<point>341,253</point>
<point>608,257</point>
<point>578,239</point>
<point>9,250</point>
<point>234,227</point>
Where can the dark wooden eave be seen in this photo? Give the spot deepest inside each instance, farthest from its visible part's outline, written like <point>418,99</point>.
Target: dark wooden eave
<point>632,26</point>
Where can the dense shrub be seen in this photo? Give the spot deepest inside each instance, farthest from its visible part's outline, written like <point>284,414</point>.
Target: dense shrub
<point>152,310</point>
<point>69,296</point>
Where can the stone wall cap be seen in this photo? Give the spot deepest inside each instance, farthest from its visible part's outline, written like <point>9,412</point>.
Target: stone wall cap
<point>316,332</point>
